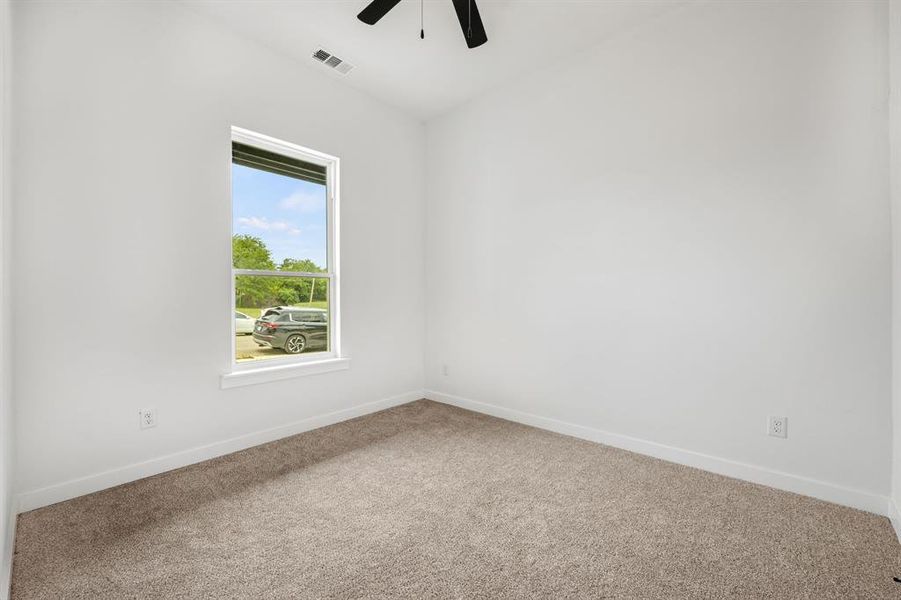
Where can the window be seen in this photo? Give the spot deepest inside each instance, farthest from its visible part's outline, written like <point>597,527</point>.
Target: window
<point>284,253</point>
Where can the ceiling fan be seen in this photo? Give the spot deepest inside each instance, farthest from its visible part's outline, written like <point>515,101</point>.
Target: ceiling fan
<point>467,14</point>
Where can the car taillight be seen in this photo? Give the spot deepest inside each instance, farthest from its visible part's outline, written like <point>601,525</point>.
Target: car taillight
<point>270,326</point>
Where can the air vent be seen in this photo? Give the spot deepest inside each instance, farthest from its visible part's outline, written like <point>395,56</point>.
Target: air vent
<point>332,61</point>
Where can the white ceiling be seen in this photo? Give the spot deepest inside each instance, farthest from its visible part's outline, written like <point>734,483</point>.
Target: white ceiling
<point>428,77</point>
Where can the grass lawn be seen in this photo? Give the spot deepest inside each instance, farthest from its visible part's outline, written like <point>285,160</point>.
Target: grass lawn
<point>255,312</point>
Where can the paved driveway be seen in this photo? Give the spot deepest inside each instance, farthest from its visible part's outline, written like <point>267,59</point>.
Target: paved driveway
<point>247,349</point>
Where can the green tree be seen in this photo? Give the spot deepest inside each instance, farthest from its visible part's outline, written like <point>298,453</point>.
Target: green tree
<point>303,287</point>
<point>249,252</point>
<point>255,292</point>
<point>304,264</point>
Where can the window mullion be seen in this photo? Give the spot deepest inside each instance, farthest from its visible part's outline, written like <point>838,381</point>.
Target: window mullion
<point>256,273</point>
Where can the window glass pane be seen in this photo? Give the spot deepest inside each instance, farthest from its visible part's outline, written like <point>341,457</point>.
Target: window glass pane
<point>291,316</point>
<point>279,222</point>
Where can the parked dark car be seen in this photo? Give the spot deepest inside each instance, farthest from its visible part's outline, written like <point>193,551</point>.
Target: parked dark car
<point>292,329</point>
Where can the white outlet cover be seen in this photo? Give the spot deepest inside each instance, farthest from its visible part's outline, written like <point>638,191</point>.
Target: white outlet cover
<point>147,418</point>
<point>777,427</point>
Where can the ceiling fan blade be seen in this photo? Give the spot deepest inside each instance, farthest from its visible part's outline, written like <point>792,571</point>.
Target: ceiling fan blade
<point>376,10</point>
<point>471,22</point>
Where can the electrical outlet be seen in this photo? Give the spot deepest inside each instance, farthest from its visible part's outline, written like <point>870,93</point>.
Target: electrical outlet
<point>147,417</point>
<point>777,427</point>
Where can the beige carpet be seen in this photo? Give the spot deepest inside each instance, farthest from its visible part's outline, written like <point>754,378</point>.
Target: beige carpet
<point>429,501</point>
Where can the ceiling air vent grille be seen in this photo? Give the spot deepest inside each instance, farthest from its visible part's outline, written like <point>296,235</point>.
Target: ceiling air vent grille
<point>332,61</point>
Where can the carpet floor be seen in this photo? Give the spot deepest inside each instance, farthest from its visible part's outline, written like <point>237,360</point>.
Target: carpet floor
<point>430,501</point>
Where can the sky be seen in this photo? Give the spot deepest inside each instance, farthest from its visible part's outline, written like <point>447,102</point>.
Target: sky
<point>288,214</point>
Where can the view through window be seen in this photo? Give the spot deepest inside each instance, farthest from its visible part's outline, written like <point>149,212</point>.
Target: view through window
<point>281,240</point>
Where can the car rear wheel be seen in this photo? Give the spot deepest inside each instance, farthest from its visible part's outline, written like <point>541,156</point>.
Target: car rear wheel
<point>295,344</point>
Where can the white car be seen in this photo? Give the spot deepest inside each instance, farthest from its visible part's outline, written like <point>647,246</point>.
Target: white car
<point>243,324</point>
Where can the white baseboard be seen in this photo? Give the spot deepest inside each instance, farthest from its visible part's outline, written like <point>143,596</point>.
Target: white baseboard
<point>6,553</point>
<point>822,490</point>
<point>895,516</point>
<point>67,490</point>
<point>829,492</point>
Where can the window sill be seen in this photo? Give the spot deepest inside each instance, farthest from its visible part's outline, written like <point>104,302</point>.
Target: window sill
<point>277,373</point>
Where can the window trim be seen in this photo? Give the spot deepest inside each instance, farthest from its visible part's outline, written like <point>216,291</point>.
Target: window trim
<point>317,362</point>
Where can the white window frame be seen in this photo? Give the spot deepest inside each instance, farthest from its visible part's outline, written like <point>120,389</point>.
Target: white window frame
<point>249,372</point>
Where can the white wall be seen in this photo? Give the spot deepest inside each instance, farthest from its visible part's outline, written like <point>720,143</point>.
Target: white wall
<point>122,236</point>
<point>895,180</point>
<point>677,234</point>
<point>7,498</point>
